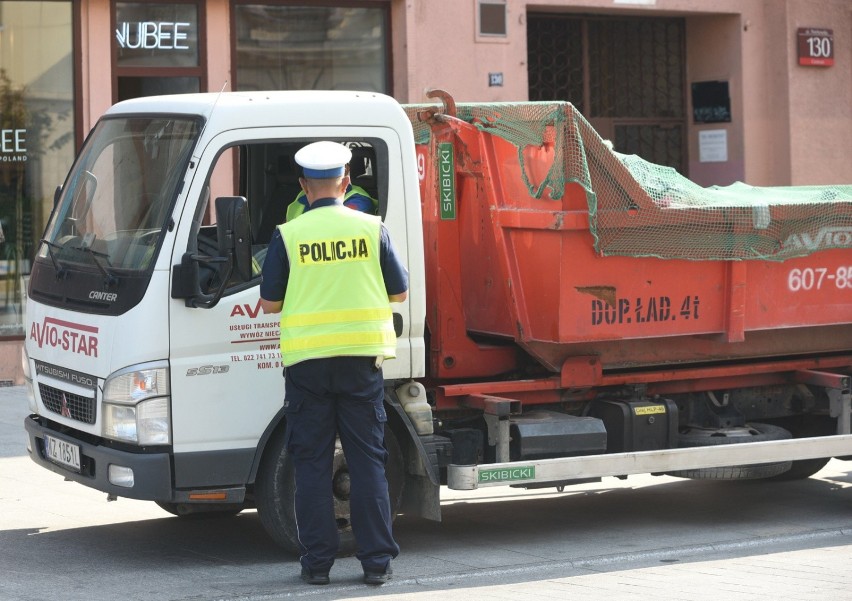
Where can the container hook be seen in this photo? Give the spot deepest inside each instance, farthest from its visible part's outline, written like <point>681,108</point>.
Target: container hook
<point>446,100</point>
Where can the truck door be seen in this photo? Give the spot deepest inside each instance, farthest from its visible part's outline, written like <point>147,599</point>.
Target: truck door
<point>227,383</point>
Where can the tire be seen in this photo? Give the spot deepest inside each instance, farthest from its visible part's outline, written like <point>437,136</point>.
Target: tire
<point>700,437</point>
<point>802,469</point>
<point>200,510</point>
<point>805,427</point>
<point>275,491</point>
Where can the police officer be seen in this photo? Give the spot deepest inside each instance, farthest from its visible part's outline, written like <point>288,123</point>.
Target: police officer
<point>355,197</point>
<point>332,274</point>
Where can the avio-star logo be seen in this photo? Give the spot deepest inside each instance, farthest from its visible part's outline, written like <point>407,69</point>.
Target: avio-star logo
<point>65,335</point>
<point>826,237</point>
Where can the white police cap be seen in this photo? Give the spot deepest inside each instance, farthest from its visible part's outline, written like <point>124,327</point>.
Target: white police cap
<point>323,160</point>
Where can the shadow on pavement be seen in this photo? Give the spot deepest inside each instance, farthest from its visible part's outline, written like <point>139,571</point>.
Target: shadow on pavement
<point>481,541</point>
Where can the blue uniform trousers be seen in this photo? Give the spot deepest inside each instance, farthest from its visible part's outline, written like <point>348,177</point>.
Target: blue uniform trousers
<point>325,398</point>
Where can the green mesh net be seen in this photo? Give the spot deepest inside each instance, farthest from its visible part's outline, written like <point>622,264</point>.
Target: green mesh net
<point>638,208</point>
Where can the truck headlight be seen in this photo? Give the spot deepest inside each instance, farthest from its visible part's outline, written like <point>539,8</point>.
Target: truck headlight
<point>136,406</point>
<point>146,423</point>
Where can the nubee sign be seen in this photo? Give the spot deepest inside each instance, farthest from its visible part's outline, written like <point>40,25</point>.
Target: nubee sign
<point>816,46</point>
<point>155,34</point>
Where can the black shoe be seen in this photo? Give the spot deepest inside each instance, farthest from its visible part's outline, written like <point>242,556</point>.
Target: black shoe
<point>378,576</point>
<point>315,576</point>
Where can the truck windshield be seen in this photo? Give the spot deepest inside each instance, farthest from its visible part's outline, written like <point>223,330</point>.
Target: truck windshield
<point>117,199</point>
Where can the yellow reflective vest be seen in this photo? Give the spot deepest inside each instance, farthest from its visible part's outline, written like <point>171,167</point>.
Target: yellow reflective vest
<point>297,207</point>
<point>336,303</point>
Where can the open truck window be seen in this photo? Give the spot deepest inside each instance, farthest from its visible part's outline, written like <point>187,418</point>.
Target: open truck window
<point>267,175</point>
<point>273,179</point>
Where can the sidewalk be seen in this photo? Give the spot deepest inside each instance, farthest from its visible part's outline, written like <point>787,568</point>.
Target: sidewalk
<point>767,572</point>
<point>758,571</point>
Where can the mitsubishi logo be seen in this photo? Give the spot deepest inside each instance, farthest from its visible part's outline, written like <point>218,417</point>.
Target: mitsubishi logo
<point>64,411</point>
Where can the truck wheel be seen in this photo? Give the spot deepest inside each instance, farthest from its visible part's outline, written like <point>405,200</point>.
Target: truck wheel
<point>802,468</point>
<point>805,427</point>
<point>275,491</point>
<point>200,510</point>
<point>701,437</point>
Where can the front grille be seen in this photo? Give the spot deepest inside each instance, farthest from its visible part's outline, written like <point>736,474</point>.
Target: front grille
<point>76,407</point>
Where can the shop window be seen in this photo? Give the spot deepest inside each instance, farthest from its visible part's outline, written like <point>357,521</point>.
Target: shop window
<point>36,137</point>
<point>158,48</point>
<point>294,47</point>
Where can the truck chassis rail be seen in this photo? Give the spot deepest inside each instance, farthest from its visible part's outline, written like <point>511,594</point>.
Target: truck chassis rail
<point>472,477</point>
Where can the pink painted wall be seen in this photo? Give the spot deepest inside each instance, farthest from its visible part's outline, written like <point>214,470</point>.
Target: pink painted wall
<point>97,36</point>
<point>714,53</point>
<point>219,71</point>
<point>791,125</point>
<point>766,104</point>
<point>442,50</point>
<point>820,98</point>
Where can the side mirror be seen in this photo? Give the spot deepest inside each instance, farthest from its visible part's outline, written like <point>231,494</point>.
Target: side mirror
<point>234,233</point>
<point>233,260</point>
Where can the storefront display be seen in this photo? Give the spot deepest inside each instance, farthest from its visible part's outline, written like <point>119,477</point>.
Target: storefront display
<point>311,48</point>
<point>36,137</point>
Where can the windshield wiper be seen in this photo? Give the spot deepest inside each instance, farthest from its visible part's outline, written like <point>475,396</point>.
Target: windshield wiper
<point>86,246</point>
<point>60,269</point>
<point>109,279</point>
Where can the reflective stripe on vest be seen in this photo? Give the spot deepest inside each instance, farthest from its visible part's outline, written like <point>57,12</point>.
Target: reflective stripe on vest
<point>336,302</point>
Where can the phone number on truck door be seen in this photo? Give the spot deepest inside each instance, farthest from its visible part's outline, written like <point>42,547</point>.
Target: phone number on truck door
<point>815,278</point>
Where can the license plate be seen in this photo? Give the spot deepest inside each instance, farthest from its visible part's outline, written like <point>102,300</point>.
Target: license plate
<point>62,452</point>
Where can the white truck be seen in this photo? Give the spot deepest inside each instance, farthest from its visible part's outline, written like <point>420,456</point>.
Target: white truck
<point>155,375</point>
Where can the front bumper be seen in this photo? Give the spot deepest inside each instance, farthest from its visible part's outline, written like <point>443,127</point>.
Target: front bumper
<point>152,471</point>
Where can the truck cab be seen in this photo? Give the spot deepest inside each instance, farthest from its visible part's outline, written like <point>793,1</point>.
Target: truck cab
<point>155,374</point>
